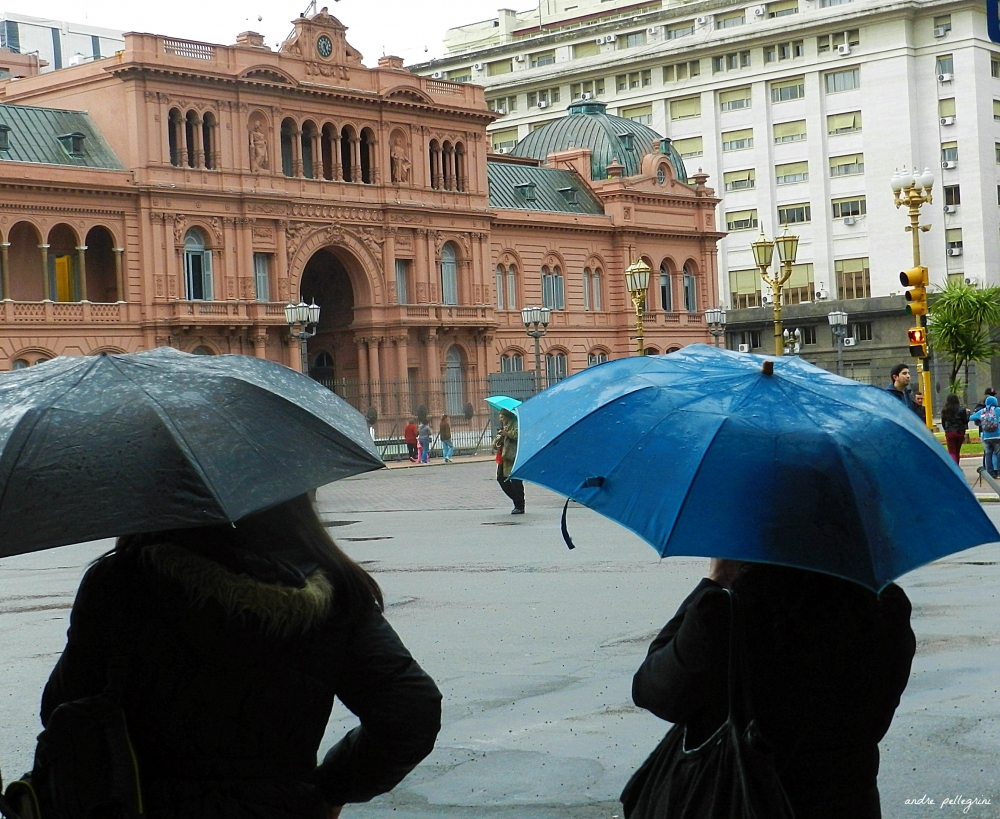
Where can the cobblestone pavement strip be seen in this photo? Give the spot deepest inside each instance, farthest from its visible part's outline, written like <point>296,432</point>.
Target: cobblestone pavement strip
<point>534,647</point>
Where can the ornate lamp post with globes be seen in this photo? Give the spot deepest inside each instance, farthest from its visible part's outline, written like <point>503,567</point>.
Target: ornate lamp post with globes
<point>763,252</point>
<point>716,320</point>
<point>536,322</point>
<point>306,317</point>
<point>636,282</point>
<point>838,324</point>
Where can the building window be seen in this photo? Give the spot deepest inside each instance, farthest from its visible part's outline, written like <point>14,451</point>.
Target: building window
<point>449,275</point>
<point>461,74</point>
<point>800,286</point>
<point>853,278</point>
<point>952,195</point>
<point>543,98</point>
<point>553,289</point>
<point>262,275</point>
<point>503,105</point>
<point>808,334</point>
<point>847,165</point>
<point>731,62</point>
<point>685,108</point>
<point>794,214</point>
<point>633,80</point>
<point>784,51</point>
<point>949,151</point>
<point>785,90</point>
<point>498,68</point>
<point>740,180</point>
<point>595,88</point>
<point>682,71</point>
<point>791,172</point>
<point>849,206</point>
<point>828,42</point>
<point>843,123</point>
<point>730,20</point>
<point>679,30</point>
<point>633,40</point>
<point>782,8</point>
<point>690,291</point>
<point>994,65</point>
<point>512,363</point>
<point>402,281</point>
<point>542,58</point>
<point>197,267</point>
<point>794,131</point>
<point>946,108</point>
<point>556,368</point>
<point>19,364</point>
<point>643,114</point>
<point>501,285</point>
<point>511,288</point>
<point>945,64</point>
<point>503,141</point>
<point>596,357</point>
<point>837,81</point>
<point>690,147</point>
<point>734,99</point>
<point>744,288</point>
<point>862,331</point>
<point>741,219</point>
<point>666,293</point>
<point>737,140</point>
<point>592,289</point>
<point>953,238</point>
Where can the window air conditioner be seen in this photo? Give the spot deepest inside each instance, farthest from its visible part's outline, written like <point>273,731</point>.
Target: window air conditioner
<point>654,30</point>
<point>950,209</point>
<point>947,120</point>
<point>972,281</point>
<point>844,50</point>
<point>945,77</point>
<point>744,348</point>
<point>850,220</point>
<point>940,31</point>
<point>949,164</point>
<point>542,104</point>
<point>586,95</point>
<point>599,41</point>
<point>700,21</point>
<point>501,150</point>
<point>479,66</point>
<point>610,38</point>
<point>501,112</point>
<point>822,295</point>
<point>437,75</point>
<point>766,299</point>
<point>954,251</point>
<point>850,341</point>
<point>518,58</point>
<point>759,11</point>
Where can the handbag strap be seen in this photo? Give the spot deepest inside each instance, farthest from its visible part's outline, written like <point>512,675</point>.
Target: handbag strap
<point>738,676</point>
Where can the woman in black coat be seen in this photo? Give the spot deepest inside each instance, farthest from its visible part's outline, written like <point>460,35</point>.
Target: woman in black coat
<point>236,640</point>
<point>827,663</point>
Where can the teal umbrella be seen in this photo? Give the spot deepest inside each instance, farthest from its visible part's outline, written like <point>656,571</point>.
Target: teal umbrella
<point>502,402</point>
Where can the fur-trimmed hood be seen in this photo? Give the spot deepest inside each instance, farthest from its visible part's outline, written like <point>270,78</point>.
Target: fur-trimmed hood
<point>284,610</point>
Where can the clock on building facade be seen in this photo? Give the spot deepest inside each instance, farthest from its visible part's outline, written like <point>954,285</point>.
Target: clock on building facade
<point>324,46</point>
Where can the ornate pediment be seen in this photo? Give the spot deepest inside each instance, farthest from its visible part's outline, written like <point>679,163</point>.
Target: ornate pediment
<point>408,93</point>
<point>321,37</point>
<point>268,74</point>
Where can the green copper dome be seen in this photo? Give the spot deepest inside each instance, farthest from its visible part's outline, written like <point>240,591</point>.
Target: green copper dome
<point>587,124</point>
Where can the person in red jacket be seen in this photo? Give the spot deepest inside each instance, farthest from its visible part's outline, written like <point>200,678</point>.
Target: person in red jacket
<point>410,436</point>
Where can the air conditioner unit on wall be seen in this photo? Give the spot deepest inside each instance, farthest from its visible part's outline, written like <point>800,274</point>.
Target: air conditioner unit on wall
<point>850,220</point>
<point>850,341</point>
<point>437,75</point>
<point>759,11</point>
<point>945,77</point>
<point>951,209</point>
<point>947,120</point>
<point>479,66</point>
<point>542,104</point>
<point>844,50</point>
<point>949,165</point>
<point>599,41</point>
<point>700,21</point>
<point>654,30</point>
<point>940,31</point>
<point>744,348</point>
<point>954,251</point>
<point>972,281</point>
<point>501,150</point>
<point>518,58</point>
<point>610,38</point>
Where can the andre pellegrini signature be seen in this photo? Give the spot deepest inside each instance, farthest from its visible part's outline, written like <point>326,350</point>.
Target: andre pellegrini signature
<point>964,803</point>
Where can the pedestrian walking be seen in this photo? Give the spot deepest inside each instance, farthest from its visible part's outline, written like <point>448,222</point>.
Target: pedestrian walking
<point>235,639</point>
<point>505,447</point>
<point>900,388</point>
<point>989,433</point>
<point>955,422</point>
<point>410,437</point>
<point>982,403</point>
<point>825,662</point>
<point>444,433</point>
<point>424,434</point>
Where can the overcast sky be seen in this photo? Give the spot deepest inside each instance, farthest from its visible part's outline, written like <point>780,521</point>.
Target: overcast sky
<point>411,29</point>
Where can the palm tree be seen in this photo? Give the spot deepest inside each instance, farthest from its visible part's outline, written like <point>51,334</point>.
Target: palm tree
<point>960,328</point>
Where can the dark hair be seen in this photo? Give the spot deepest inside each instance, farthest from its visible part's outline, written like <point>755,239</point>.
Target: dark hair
<point>292,526</point>
<point>990,391</point>
<point>951,409</point>
<point>895,371</point>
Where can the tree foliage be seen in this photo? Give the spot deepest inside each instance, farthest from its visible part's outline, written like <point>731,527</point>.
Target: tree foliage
<point>961,326</point>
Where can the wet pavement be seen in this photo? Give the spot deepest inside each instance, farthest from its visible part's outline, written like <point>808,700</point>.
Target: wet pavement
<point>534,647</point>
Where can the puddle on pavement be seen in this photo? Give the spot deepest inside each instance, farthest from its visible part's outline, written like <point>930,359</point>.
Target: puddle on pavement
<point>356,539</point>
<point>500,523</point>
<point>331,523</point>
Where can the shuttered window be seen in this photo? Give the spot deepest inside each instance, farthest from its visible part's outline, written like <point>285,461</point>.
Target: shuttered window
<point>996,110</point>
<point>730,20</point>
<point>737,140</point>
<point>946,107</point>
<point>502,140</point>
<point>794,131</point>
<point>588,49</point>
<point>679,30</point>
<point>847,165</point>
<point>785,90</point>
<point>741,219</point>
<point>783,8</point>
<point>849,206</point>
<point>642,114</point>
<point>497,68</point>
<point>842,80</point>
<point>687,148</point>
<point>734,99</point>
<point>685,108</point>
<point>744,282</point>
<point>791,172</point>
<point>740,180</point>
<point>794,214</point>
<point>949,151</point>
<point>843,123</point>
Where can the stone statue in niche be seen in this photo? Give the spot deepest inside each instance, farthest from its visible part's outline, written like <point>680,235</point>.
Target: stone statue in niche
<point>400,162</point>
<point>258,149</point>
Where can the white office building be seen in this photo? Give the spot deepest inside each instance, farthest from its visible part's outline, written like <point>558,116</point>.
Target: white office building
<point>57,42</point>
<point>800,111</point>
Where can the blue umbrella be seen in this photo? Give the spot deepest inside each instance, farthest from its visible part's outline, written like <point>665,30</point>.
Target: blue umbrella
<point>502,402</point>
<point>702,452</point>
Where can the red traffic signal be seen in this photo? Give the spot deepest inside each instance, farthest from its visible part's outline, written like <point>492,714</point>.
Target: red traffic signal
<point>918,342</point>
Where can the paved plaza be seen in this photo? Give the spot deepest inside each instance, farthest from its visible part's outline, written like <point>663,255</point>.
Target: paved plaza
<point>534,647</point>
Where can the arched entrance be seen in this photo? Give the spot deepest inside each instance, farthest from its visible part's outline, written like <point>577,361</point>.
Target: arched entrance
<point>326,281</point>
<point>454,382</point>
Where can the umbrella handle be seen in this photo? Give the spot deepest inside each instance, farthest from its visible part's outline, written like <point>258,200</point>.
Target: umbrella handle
<point>565,532</point>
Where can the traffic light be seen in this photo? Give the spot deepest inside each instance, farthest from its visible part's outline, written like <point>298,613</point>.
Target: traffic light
<point>918,342</point>
<point>916,298</point>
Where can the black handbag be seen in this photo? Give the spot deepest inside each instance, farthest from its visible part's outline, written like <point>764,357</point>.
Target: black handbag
<point>729,776</point>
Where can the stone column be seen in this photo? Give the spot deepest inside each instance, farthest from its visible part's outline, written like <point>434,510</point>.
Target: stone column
<point>317,146</point>
<point>180,139</point>
<point>403,373</point>
<point>449,168</point>
<point>46,286</point>
<point>5,269</point>
<point>81,260</point>
<point>363,373</point>
<point>199,146</point>
<point>374,373</point>
<point>119,273</point>
<point>338,171</point>
<point>296,138</point>
<point>260,343</point>
<point>437,168</point>
<point>355,159</point>
<point>374,163</point>
<point>281,264</point>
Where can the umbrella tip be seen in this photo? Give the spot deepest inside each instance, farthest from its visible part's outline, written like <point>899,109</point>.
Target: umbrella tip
<point>768,368</point>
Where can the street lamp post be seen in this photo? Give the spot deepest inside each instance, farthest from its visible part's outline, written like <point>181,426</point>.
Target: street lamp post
<point>792,342</point>
<point>913,190</point>
<point>838,324</point>
<point>306,317</point>
<point>536,322</point>
<point>716,319</point>
<point>763,252</point>
<point>637,282</point>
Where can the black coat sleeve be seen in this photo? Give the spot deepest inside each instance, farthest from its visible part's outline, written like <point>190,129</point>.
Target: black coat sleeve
<point>898,648</point>
<point>686,663</point>
<point>400,711</point>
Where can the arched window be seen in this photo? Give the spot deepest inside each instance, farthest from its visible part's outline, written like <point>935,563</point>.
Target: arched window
<point>449,275</point>
<point>511,288</point>
<point>175,136</point>
<point>553,289</point>
<point>501,285</point>
<point>690,291</point>
<point>454,392</point>
<point>512,363</point>
<point>592,289</point>
<point>209,142</point>
<point>434,159</point>
<point>287,152</point>
<point>461,175</point>
<point>323,361</point>
<point>330,149</point>
<point>202,350</point>
<point>596,357</point>
<point>197,267</point>
<point>310,137</point>
<point>347,143</point>
<point>666,292</point>
<point>19,364</point>
<point>556,367</point>
<point>367,148</point>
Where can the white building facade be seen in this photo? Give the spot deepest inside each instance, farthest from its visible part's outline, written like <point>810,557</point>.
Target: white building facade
<point>57,42</point>
<point>800,111</point>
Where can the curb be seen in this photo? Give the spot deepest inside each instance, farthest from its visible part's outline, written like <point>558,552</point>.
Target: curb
<point>461,459</point>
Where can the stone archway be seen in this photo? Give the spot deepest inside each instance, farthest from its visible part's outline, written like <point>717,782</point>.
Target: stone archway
<point>326,280</point>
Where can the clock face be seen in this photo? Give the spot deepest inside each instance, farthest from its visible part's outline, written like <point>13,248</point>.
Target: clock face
<point>324,46</point>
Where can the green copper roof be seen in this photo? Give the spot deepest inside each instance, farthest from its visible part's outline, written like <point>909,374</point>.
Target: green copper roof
<point>51,136</point>
<point>526,187</point>
<point>588,125</point>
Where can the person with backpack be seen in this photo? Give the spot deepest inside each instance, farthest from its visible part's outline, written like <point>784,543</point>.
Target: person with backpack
<point>989,433</point>
<point>900,388</point>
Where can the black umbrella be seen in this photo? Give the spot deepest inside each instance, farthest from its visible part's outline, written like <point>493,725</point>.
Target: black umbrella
<point>100,446</point>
